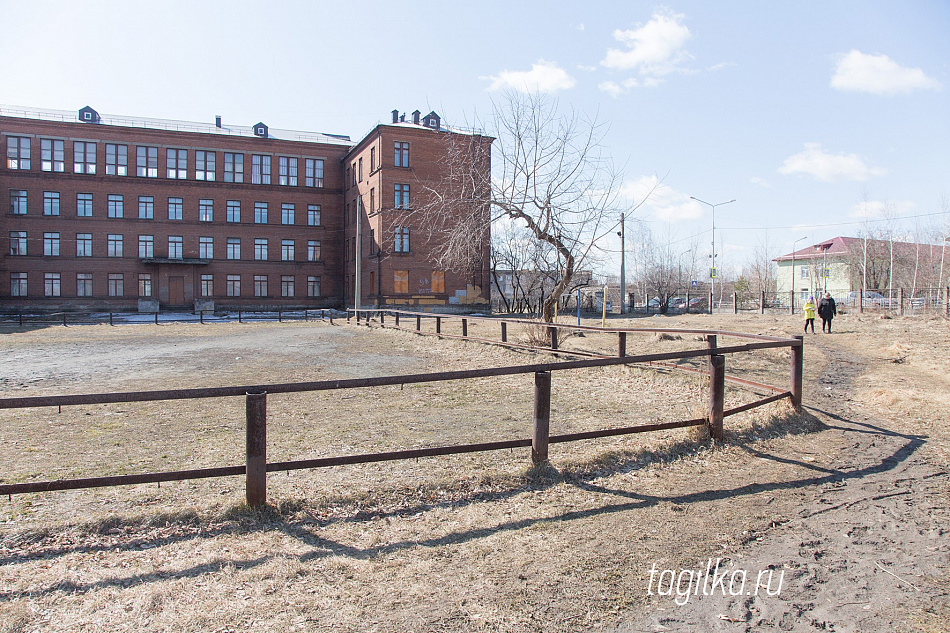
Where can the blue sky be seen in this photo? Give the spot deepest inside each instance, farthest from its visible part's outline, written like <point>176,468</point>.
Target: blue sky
<point>811,114</point>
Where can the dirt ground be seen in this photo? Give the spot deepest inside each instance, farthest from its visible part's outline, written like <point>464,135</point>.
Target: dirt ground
<point>847,503</point>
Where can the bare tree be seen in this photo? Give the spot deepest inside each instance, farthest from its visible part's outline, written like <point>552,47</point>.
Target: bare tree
<point>549,175</point>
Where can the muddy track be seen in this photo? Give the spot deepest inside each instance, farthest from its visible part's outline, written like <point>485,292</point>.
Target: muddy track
<point>867,550</point>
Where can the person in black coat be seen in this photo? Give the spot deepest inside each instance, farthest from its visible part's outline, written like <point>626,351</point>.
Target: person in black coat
<point>827,310</point>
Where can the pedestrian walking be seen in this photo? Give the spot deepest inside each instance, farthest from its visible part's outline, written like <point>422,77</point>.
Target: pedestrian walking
<point>827,310</point>
<point>810,314</point>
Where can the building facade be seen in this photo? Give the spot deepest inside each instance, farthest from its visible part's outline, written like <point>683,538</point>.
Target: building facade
<point>126,213</point>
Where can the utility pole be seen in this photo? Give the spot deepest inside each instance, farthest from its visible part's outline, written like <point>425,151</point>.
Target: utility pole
<point>623,268</point>
<point>358,286</point>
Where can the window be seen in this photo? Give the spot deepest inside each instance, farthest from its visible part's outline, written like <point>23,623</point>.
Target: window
<point>207,286</point>
<point>234,210</point>
<point>313,215</point>
<point>50,203</point>
<point>84,284</point>
<point>372,199</point>
<point>286,285</point>
<point>372,159</point>
<point>176,162</point>
<point>313,286</point>
<point>287,250</point>
<point>116,206</point>
<point>287,213</point>
<point>360,169</point>
<point>84,205</point>
<point>174,247</point>
<point>18,202</point>
<point>53,284</point>
<point>402,197</point>
<point>206,247</point>
<point>260,285</point>
<point>117,160</point>
<point>372,241</point>
<point>52,155</point>
<point>175,206</point>
<point>402,155</point>
<point>260,169</point>
<point>145,284</point>
<point>84,157</point>
<point>401,281</point>
<point>146,207</point>
<point>233,167</point>
<point>18,155</point>
<point>234,248</point>
<point>18,284</point>
<point>18,242</point>
<point>260,248</point>
<point>204,165</point>
<point>146,246</point>
<point>83,244</point>
<point>146,161</point>
<point>313,250</point>
<point>115,246</point>
<point>438,281</point>
<point>51,244</point>
<point>287,171</point>
<point>260,213</point>
<point>234,285</point>
<point>205,210</point>
<point>804,272</point>
<point>314,172</point>
<point>116,284</point>
<point>402,239</point>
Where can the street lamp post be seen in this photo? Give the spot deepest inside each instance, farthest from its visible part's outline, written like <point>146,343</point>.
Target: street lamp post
<point>793,271</point>
<point>713,271</point>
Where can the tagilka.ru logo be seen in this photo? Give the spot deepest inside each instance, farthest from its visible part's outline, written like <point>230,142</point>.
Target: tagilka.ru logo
<point>686,583</point>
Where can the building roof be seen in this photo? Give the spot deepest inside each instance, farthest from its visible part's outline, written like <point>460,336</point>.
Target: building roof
<point>842,246</point>
<point>70,116</point>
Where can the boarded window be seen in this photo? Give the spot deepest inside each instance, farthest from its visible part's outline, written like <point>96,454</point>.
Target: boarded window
<point>401,281</point>
<point>438,281</point>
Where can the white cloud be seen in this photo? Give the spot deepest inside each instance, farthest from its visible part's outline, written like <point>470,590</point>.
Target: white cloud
<point>543,77</point>
<point>816,162</point>
<point>878,74</point>
<point>615,90</point>
<point>665,203</point>
<point>875,209</point>
<point>762,182</point>
<point>653,48</point>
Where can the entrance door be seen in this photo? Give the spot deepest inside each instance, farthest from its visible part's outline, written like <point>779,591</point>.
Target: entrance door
<point>176,291</point>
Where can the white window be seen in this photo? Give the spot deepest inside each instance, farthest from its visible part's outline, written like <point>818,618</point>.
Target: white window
<point>176,163</point>
<point>84,284</point>
<point>260,213</point>
<point>146,207</point>
<point>18,285</point>
<point>205,210</point>
<point>287,250</point>
<point>260,285</point>
<point>117,160</point>
<point>286,285</point>
<point>18,242</point>
<point>313,215</point>
<point>313,250</point>
<point>175,207</point>
<point>287,213</point>
<point>145,284</point>
<point>233,167</point>
<point>52,284</point>
<point>84,157</point>
<point>146,246</point>
<point>116,206</point>
<point>116,284</point>
<point>204,165</point>
<point>314,172</point>
<point>234,210</point>
<point>313,286</point>
<point>206,247</point>
<point>18,154</point>
<point>83,244</point>
<point>146,161</point>
<point>260,248</point>
<point>84,205</point>
<point>234,285</point>
<point>51,244</point>
<point>18,201</point>
<point>52,156</point>
<point>402,239</point>
<point>287,171</point>
<point>260,169</point>
<point>234,248</point>
<point>207,285</point>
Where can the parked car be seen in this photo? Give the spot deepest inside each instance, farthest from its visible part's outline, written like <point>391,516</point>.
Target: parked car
<point>871,299</point>
<point>678,303</point>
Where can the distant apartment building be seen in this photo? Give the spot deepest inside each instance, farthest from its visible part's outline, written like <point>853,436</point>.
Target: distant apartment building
<point>126,213</point>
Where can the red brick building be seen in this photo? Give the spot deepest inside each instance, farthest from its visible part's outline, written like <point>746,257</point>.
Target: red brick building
<point>127,213</point>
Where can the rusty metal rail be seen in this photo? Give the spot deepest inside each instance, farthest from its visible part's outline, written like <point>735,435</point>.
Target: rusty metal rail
<point>256,465</point>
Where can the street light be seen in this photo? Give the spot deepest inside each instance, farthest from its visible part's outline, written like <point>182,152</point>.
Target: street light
<point>713,271</point>
<point>793,270</point>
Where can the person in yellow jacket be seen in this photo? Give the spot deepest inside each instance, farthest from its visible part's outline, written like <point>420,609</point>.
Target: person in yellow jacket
<point>809,308</point>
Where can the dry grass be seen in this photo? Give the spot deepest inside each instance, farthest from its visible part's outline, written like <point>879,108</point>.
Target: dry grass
<point>474,542</point>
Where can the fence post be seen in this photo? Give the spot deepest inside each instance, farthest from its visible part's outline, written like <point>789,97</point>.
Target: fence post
<point>64,319</point>
<point>110,319</point>
<point>418,323</point>
<point>239,316</point>
<point>946,300</point>
<point>712,300</point>
<point>791,301</point>
<point>504,332</point>
<point>552,331</point>
<point>900,301</point>
<point>542,417</point>
<point>201,316</point>
<point>712,341</point>
<point>861,301</point>
<point>717,390</point>
<point>686,308</point>
<point>438,325</point>
<point>382,318</point>
<point>797,369</point>
<point>256,473</point>
<point>397,319</point>
<point>735,303</point>
<point>156,317</point>
<point>762,303</point>
<point>621,344</point>
<point>464,327</point>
